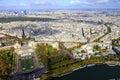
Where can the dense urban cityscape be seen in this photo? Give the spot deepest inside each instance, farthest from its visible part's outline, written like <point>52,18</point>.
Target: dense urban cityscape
<point>45,44</point>
<point>59,40</point>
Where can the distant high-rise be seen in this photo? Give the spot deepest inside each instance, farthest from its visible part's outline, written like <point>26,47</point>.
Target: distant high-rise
<point>25,12</point>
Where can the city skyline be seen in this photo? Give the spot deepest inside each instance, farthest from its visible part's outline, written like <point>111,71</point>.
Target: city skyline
<point>59,4</point>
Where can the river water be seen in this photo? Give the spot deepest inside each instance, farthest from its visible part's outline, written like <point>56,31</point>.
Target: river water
<point>98,72</point>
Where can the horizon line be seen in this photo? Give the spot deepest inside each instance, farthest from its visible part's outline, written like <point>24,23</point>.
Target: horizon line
<point>62,9</point>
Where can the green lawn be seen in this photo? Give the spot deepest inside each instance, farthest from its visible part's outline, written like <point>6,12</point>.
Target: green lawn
<point>27,63</point>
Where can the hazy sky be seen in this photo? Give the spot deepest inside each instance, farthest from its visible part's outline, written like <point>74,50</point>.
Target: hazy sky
<point>58,4</point>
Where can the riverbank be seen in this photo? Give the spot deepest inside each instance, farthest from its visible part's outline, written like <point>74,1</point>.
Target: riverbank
<point>112,63</point>
<point>109,63</point>
<point>98,72</point>
<point>74,69</point>
<point>69,66</point>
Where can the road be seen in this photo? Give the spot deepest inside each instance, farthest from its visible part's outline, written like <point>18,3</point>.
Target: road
<point>6,47</point>
<point>65,41</point>
<point>63,48</point>
<point>28,76</point>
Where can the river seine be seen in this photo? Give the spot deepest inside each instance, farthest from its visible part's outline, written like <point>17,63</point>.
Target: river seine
<point>98,72</point>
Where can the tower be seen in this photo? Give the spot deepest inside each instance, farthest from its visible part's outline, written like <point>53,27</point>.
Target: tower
<point>83,32</point>
<point>29,31</point>
<point>23,34</point>
<point>90,31</point>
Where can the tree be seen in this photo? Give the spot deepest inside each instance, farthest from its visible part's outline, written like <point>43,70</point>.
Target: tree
<point>96,48</point>
<point>6,62</point>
